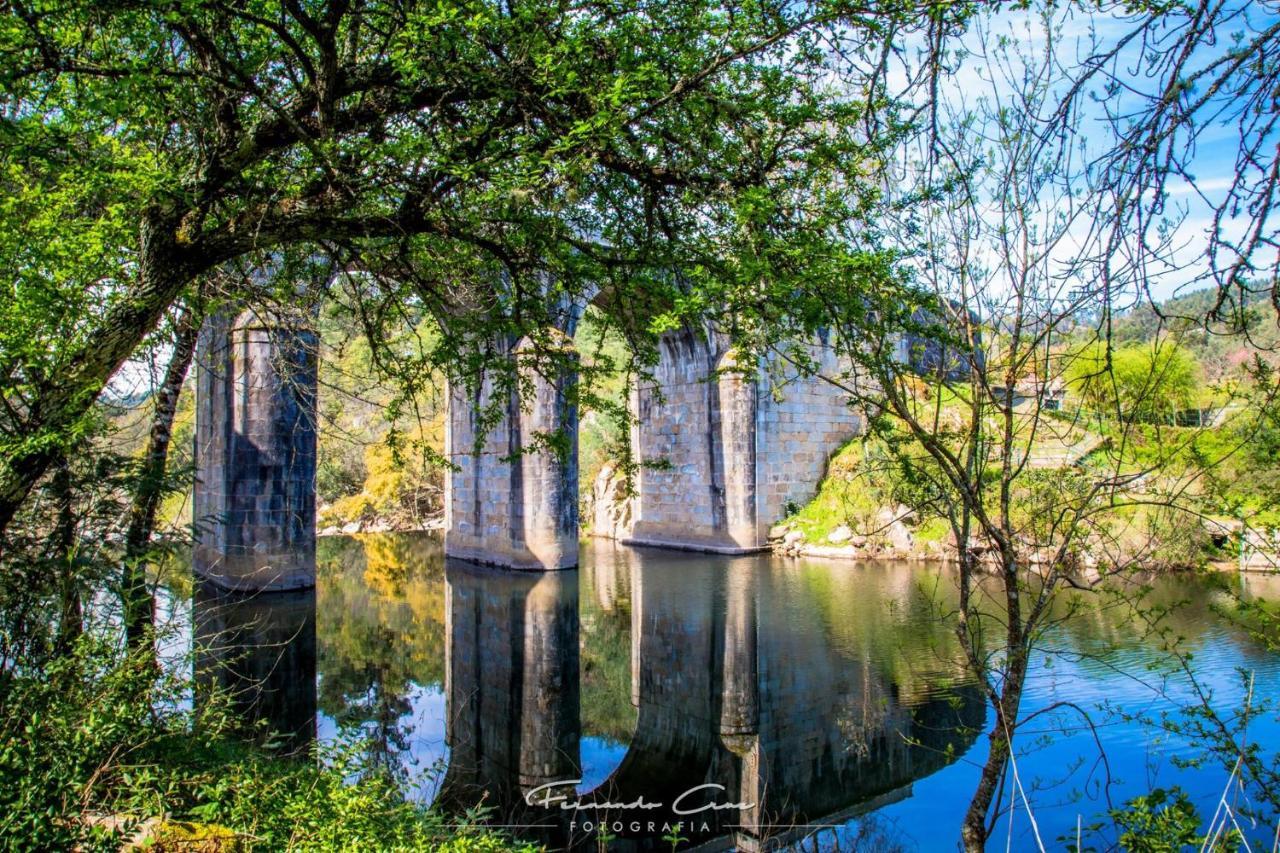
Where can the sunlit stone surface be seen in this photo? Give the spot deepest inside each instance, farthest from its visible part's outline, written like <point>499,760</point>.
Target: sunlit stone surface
<point>724,445</point>
<point>513,501</point>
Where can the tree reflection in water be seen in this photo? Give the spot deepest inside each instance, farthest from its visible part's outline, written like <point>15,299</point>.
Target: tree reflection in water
<point>381,636</point>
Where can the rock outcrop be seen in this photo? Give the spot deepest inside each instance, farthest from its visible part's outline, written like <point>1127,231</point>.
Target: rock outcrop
<point>611,512</point>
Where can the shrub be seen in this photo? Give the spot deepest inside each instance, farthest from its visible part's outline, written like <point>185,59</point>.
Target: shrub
<point>95,749</point>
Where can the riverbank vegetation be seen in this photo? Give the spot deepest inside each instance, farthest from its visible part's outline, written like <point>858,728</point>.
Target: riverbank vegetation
<point>1185,419</point>
<point>98,754</point>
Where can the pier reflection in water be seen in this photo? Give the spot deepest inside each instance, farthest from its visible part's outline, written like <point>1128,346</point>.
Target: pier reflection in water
<point>259,651</point>
<point>511,685</point>
<point>737,698</point>
<point>751,716</point>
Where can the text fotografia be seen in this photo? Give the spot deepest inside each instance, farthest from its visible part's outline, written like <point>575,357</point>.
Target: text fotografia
<point>551,795</point>
<point>638,826</point>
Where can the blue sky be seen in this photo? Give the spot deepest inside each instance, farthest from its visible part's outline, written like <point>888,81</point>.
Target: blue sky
<point>1080,32</point>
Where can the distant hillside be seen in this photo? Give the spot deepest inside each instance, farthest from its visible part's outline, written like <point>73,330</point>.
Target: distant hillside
<point>1216,345</point>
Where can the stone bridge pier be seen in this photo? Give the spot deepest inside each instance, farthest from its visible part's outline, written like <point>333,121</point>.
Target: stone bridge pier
<point>723,449</point>
<point>511,496</point>
<point>254,496</point>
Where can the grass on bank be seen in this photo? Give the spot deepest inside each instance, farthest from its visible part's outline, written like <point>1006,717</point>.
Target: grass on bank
<point>1225,472</point>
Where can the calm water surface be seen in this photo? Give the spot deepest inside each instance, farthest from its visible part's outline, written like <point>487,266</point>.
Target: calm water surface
<point>771,698</point>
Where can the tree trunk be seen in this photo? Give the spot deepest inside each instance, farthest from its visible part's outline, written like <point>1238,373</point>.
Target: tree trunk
<point>70,610</point>
<point>56,407</point>
<point>139,603</point>
<point>974,830</point>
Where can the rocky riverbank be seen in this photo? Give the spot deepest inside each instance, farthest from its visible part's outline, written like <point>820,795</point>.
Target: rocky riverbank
<point>891,538</point>
<point>383,525</point>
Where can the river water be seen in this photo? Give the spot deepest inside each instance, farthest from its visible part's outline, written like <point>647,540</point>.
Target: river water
<point>695,699</point>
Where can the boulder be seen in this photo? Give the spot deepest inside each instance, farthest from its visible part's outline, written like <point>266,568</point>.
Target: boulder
<point>899,537</point>
<point>840,535</point>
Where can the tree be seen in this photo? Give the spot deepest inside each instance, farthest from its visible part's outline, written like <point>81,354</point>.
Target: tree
<point>1175,80</point>
<point>1139,381</point>
<point>482,153</point>
<point>995,257</point>
<point>149,488</point>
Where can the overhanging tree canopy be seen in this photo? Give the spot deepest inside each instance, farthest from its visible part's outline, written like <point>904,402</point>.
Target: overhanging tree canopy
<point>465,145</point>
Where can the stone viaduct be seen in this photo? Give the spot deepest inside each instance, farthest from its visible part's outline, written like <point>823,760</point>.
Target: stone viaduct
<point>723,449</point>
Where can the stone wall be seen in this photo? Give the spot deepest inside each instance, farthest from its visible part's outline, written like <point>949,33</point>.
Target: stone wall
<point>800,422</point>
<point>255,450</point>
<point>513,501</point>
<point>678,436</point>
<point>725,449</point>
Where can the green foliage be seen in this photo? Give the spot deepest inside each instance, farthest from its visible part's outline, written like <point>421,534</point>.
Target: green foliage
<point>399,489</point>
<point>1164,821</point>
<point>380,438</point>
<point>285,805</point>
<point>1216,342</point>
<point>96,735</point>
<point>480,163</point>
<point>1142,381</point>
<point>61,549</point>
<point>58,730</point>
<point>197,837</point>
<point>64,194</point>
<point>606,368</point>
<point>864,478</point>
